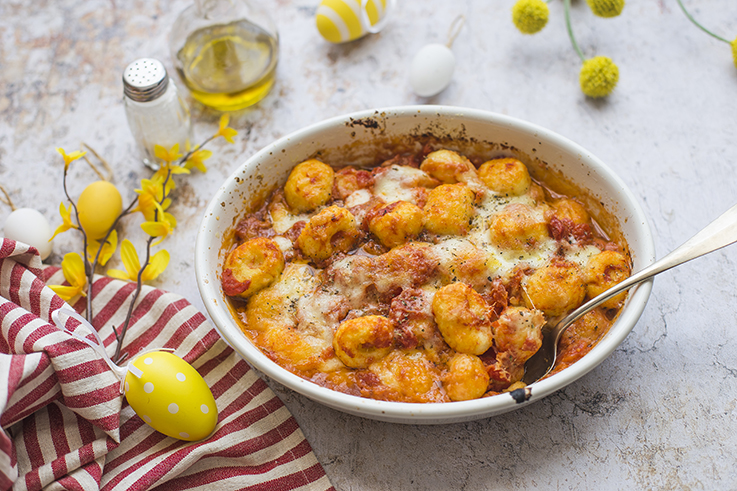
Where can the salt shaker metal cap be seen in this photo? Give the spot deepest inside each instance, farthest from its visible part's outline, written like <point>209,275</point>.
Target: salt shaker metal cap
<point>145,80</point>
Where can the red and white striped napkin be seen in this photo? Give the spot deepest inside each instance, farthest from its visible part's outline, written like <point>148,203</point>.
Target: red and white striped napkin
<point>66,426</point>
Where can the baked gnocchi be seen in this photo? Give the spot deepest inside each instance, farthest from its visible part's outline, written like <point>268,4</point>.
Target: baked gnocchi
<point>309,185</point>
<point>449,209</point>
<point>427,277</point>
<point>508,177</point>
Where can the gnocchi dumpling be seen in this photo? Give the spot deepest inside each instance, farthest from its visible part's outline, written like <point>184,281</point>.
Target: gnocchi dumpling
<point>556,288</point>
<point>518,226</point>
<point>333,229</point>
<point>466,379</point>
<point>570,209</point>
<point>447,166</point>
<point>276,305</point>
<point>449,209</point>
<point>252,266</point>
<point>361,341</point>
<point>407,376</point>
<point>309,185</point>
<point>519,332</point>
<point>603,271</point>
<point>508,177</point>
<point>463,318</point>
<point>396,223</point>
<point>348,180</point>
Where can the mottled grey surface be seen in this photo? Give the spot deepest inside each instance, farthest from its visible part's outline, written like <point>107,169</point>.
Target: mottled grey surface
<point>660,413</point>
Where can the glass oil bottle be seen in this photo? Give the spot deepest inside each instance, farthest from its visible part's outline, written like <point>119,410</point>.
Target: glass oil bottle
<point>225,52</point>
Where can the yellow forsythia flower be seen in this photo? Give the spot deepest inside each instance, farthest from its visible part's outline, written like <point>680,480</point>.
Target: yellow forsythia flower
<point>734,52</point>
<point>168,156</point>
<point>530,16</point>
<point>166,171</point>
<point>157,264</point>
<point>606,8</point>
<point>68,159</point>
<point>599,75</point>
<point>66,217</point>
<point>224,131</point>
<point>108,249</point>
<point>197,160</point>
<point>149,196</point>
<point>73,268</point>
<point>163,227</point>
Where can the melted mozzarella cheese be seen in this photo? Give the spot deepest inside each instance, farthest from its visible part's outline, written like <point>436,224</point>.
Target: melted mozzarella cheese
<point>534,258</point>
<point>352,278</point>
<point>358,197</point>
<point>296,281</point>
<point>285,245</point>
<point>491,204</point>
<point>284,220</point>
<point>458,254</point>
<point>396,183</point>
<point>318,313</point>
<point>581,255</point>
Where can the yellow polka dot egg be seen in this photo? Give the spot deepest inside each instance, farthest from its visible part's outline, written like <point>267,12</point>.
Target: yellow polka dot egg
<point>171,396</point>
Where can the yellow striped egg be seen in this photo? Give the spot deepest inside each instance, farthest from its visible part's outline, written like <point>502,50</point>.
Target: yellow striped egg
<point>171,396</point>
<point>340,21</point>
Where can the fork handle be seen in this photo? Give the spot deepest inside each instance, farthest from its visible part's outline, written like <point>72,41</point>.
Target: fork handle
<point>718,234</point>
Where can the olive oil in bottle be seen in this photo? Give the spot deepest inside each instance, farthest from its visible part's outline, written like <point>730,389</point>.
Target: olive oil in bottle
<point>229,67</point>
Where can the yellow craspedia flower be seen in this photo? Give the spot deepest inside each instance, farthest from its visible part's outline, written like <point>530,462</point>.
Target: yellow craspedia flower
<point>599,75</point>
<point>734,51</point>
<point>530,16</point>
<point>606,8</point>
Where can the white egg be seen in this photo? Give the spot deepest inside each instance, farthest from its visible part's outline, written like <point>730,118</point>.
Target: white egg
<point>431,70</point>
<point>30,227</point>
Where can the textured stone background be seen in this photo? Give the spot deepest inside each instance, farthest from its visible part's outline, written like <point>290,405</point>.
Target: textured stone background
<point>660,413</point>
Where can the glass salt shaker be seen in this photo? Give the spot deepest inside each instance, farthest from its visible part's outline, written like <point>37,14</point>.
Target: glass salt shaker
<point>156,112</point>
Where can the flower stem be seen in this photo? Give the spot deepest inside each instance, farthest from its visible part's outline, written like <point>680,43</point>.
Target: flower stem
<point>120,336</point>
<point>567,10</point>
<point>183,160</point>
<point>87,265</point>
<point>139,279</point>
<point>91,275</point>
<point>699,25</point>
<point>129,314</point>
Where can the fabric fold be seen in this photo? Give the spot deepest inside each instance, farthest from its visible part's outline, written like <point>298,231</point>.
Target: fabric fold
<point>66,426</point>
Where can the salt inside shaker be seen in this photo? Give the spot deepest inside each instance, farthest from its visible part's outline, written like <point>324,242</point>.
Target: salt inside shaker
<point>157,114</point>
